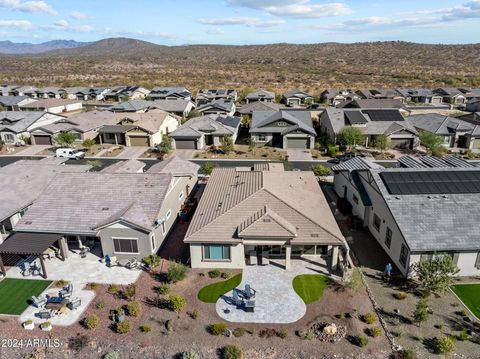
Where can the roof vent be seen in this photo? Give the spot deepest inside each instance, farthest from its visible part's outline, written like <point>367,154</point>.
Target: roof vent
<point>267,220</point>
<point>28,222</point>
<point>429,197</point>
<point>445,196</point>
<point>105,208</point>
<point>314,235</point>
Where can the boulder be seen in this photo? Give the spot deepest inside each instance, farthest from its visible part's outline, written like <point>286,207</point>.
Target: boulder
<point>330,329</point>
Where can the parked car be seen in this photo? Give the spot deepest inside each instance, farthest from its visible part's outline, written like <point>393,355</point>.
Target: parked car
<point>70,153</point>
<point>345,157</point>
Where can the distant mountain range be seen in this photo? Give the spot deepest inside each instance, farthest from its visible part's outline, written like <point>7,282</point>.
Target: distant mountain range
<point>14,48</point>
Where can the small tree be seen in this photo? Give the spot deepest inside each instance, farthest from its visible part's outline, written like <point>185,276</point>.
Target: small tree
<point>383,143</point>
<point>130,291</point>
<point>165,146</point>
<point>421,311</point>
<point>88,143</point>
<point>226,144</point>
<point>194,114</point>
<point>65,139</point>
<point>436,275</point>
<point>433,143</point>
<point>320,170</point>
<point>246,121</point>
<point>176,272</point>
<point>207,168</point>
<point>351,137</point>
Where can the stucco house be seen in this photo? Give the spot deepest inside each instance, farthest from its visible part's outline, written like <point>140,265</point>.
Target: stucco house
<point>170,93</point>
<point>250,108</point>
<point>418,212</point>
<point>179,107</point>
<point>218,107</point>
<point>53,105</point>
<point>203,131</point>
<point>246,213</point>
<point>120,93</point>
<point>473,105</point>
<point>420,95</point>
<point>208,95</point>
<point>451,95</point>
<point>13,103</point>
<point>283,129</point>
<point>334,96</point>
<point>50,92</point>
<point>138,106</point>
<point>261,95</point>
<point>392,94</point>
<point>296,97</point>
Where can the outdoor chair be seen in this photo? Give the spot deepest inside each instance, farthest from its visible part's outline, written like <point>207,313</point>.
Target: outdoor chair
<point>66,291</point>
<point>26,269</point>
<point>112,262</point>
<point>249,292</point>
<point>38,301</point>
<point>132,264</point>
<point>74,303</point>
<point>236,300</point>
<point>84,251</point>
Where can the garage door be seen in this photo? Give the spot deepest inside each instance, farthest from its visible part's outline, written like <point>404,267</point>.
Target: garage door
<point>139,141</point>
<point>405,143</point>
<point>186,144</point>
<point>297,143</point>
<point>42,140</point>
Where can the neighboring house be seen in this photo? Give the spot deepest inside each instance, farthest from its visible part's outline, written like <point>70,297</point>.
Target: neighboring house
<point>207,95</point>
<point>218,107</point>
<point>181,108</point>
<point>7,90</point>
<point>455,132</point>
<point>128,166</point>
<point>121,93</point>
<point>295,97</point>
<point>416,213</point>
<point>392,94</point>
<point>170,93</point>
<point>138,106</point>
<point>262,95</point>
<point>471,94</point>
<point>374,103</point>
<point>451,95</point>
<point>50,92</point>
<point>126,215</point>
<point>250,108</point>
<point>283,128</point>
<point>12,103</point>
<point>203,131</point>
<point>333,97</point>
<point>83,125</point>
<point>53,105</point>
<point>247,212</point>
<point>91,93</point>
<point>425,96</point>
<point>139,129</point>
<point>20,185</point>
<point>473,106</point>
<point>17,125</point>
<point>372,122</point>
<point>24,91</point>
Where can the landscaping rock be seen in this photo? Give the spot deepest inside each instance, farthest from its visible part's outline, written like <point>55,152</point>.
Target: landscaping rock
<point>330,329</point>
<point>329,332</point>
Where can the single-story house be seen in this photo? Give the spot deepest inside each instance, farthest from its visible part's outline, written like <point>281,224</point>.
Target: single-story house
<point>208,95</point>
<point>86,93</point>
<point>53,105</point>
<point>372,122</point>
<point>12,103</point>
<point>283,128</point>
<point>296,97</point>
<point>139,129</point>
<point>392,94</point>
<point>473,105</point>
<point>333,97</point>
<point>247,212</point>
<point>50,92</point>
<point>16,125</point>
<point>127,166</point>
<point>261,95</point>
<point>24,91</point>
<point>451,95</point>
<point>250,108</point>
<point>374,103</point>
<point>218,107</point>
<point>455,132</point>
<point>203,131</point>
<point>471,94</point>
<point>138,106</point>
<point>179,107</point>
<point>170,93</point>
<point>420,95</point>
<point>121,93</point>
<point>416,213</point>
<point>21,183</point>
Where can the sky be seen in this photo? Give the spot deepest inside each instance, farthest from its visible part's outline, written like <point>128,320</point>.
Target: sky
<point>240,22</point>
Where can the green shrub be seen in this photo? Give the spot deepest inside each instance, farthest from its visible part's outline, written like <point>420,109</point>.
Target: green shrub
<point>463,336</point>
<point>405,354</point>
<point>217,328</point>
<point>152,260</point>
<point>444,345</point>
<point>100,304</point>
<point>369,318</point>
<point>374,331</point>
<point>400,295</point>
<point>111,355</point>
<point>94,286</point>
<point>226,275</point>
<point>190,355</point>
<point>88,143</point>
<point>207,168</point>
<point>112,289</point>
<point>232,352</point>
<point>163,289</point>
<point>321,170</point>
<point>333,150</point>
<point>282,333</point>
<point>194,313</point>
<point>61,283</point>
<point>145,328</point>
<point>341,316</point>
<point>214,273</point>
<point>123,327</point>
<point>91,322</point>
<point>307,335</point>
<point>176,302</point>
<point>176,272</point>
<point>134,309</point>
<point>361,341</point>
<point>238,332</point>
<point>130,291</point>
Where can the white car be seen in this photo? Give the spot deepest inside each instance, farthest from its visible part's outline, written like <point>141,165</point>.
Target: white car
<point>70,153</point>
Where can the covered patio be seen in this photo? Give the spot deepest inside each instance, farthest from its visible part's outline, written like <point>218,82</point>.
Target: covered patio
<point>113,134</point>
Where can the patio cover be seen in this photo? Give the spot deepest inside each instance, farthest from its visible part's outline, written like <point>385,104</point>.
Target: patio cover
<point>115,128</point>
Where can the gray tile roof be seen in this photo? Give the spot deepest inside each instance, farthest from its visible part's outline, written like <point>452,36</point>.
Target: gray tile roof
<point>128,166</point>
<point>84,202</point>
<point>214,124</point>
<point>175,166</point>
<point>19,121</point>
<point>251,107</point>
<point>296,93</point>
<point>84,122</point>
<point>355,163</point>
<point>372,103</point>
<point>163,92</point>
<point>12,100</point>
<point>440,124</point>
<point>171,105</point>
<point>131,106</point>
<point>261,120</point>
<point>223,105</point>
<point>261,94</point>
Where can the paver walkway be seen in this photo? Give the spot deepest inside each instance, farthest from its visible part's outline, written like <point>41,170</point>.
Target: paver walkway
<point>299,154</point>
<point>275,299</point>
<point>32,150</point>
<point>132,152</point>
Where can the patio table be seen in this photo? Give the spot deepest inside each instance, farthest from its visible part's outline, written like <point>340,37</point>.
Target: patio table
<point>56,303</point>
<point>250,306</point>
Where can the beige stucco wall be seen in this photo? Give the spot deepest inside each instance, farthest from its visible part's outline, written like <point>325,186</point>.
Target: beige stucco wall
<point>237,261</point>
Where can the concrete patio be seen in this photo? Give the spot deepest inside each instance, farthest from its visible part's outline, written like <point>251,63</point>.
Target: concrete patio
<point>275,301</point>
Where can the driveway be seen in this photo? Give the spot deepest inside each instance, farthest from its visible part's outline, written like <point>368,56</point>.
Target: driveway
<point>185,154</point>
<point>132,152</point>
<point>33,150</point>
<point>299,155</point>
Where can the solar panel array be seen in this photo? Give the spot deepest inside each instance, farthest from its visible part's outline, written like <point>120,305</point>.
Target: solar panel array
<point>384,115</point>
<point>432,182</point>
<point>355,117</point>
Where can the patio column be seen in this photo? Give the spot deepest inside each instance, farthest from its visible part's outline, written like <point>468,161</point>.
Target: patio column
<point>100,138</point>
<point>334,262</point>
<point>2,267</point>
<point>42,263</point>
<point>63,247</point>
<point>116,139</point>
<point>288,254</point>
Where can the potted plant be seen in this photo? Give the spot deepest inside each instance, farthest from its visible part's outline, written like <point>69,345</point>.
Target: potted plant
<point>46,326</point>
<point>28,325</point>
<point>120,315</point>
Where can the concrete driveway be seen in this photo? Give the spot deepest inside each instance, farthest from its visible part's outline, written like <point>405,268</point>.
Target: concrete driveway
<point>295,154</point>
<point>132,152</point>
<point>185,154</point>
<point>33,150</point>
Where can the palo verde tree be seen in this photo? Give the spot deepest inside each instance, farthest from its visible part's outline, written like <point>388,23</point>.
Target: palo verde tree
<point>433,143</point>
<point>436,275</point>
<point>351,137</point>
<point>226,144</point>
<point>65,139</point>
<point>383,143</point>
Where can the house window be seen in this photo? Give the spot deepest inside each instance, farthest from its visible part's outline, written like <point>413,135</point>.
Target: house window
<point>477,262</point>
<point>403,255</point>
<point>388,237</point>
<point>125,245</point>
<point>355,198</point>
<point>153,242</point>
<point>262,137</point>
<point>9,138</point>
<point>169,213</point>
<point>216,252</point>
<point>164,228</point>
<point>180,196</point>
<point>376,222</point>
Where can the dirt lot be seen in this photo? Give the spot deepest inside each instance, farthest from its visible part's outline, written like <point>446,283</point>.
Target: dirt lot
<point>243,152</point>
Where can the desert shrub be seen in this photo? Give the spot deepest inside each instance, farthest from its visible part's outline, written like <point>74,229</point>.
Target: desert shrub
<point>61,283</point>
<point>176,302</point>
<point>130,291</point>
<point>374,331</point>
<point>444,345</point>
<point>400,295</point>
<point>307,335</point>
<point>226,275</point>
<point>421,311</point>
<point>217,328</point>
<point>461,313</point>
<point>333,150</point>
<point>214,273</point>
<point>91,322</point>
<point>163,289</point>
<point>145,328</point>
<point>194,314</point>
<point>267,333</point>
<point>134,309</point>
<point>152,260</point>
<point>369,318</point>
<point>190,355</point>
<point>123,327</point>
<point>111,355</point>
<point>238,332</point>
<point>112,289</point>
<point>360,340</point>
<point>404,354</point>
<point>282,333</point>
<point>78,342</point>
<point>176,272</point>
<point>100,304</point>
<point>94,286</point>
<point>88,143</point>
<point>341,316</point>
<point>232,352</point>
<point>321,170</point>
<point>463,335</point>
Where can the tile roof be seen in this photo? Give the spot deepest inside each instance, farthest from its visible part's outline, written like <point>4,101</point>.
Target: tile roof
<point>171,105</point>
<point>19,121</point>
<point>224,105</point>
<point>131,105</point>
<point>48,103</point>
<point>214,124</point>
<point>372,103</point>
<point>261,94</point>
<point>128,166</point>
<point>175,166</point>
<point>440,124</point>
<point>355,163</point>
<point>84,122</point>
<point>251,107</point>
<point>12,100</point>
<point>261,120</point>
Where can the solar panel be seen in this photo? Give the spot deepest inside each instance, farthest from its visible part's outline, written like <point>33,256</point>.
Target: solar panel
<point>432,182</point>
<point>384,115</point>
<point>355,117</point>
